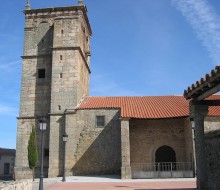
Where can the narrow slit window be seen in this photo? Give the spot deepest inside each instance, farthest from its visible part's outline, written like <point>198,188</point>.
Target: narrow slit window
<point>46,152</point>
<point>61,75</point>
<point>59,107</point>
<point>61,31</point>
<point>61,57</point>
<point>41,73</point>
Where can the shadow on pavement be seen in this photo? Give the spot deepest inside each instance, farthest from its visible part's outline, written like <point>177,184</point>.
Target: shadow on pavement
<point>159,189</point>
<point>6,178</point>
<point>169,189</point>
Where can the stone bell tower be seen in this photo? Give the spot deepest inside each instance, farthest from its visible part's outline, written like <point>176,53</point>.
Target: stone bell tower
<point>55,76</point>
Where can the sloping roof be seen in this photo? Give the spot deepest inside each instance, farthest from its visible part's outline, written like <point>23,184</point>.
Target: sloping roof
<point>206,86</point>
<point>145,107</point>
<point>148,107</point>
<point>7,151</point>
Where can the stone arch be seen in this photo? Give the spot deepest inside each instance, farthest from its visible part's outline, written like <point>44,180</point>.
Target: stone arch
<point>165,158</point>
<point>158,145</point>
<point>44,20</point>
<point>165,154</point>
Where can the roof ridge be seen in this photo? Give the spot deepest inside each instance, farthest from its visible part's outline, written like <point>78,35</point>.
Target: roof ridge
<point>135,96</point>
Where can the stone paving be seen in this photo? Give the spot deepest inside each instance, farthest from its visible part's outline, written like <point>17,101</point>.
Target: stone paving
<point>114,183</point>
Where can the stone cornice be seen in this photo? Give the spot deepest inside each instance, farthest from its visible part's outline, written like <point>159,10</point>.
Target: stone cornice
<point>35,56</point>
<point>32,117</point>
<point>28,28</point>
<point>26,117</point>
<point>66,17</point>
<point>70,111</point>
<point>51,12</point>
<point>56,114</point>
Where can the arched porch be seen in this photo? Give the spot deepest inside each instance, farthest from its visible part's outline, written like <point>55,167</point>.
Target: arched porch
<point>161,148</point>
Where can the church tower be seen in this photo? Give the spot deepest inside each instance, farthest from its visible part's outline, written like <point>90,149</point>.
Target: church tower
<point>55,76</point>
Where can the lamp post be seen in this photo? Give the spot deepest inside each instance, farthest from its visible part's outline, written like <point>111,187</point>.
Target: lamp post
<point>65,138</point>
<point>43,126</point>
<point>193,141</point>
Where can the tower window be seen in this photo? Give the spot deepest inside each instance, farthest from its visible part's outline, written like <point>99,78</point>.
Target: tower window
<point>100,121</point>
<point>59,107</point>
<point>61,75</point>
<point>61,57</point>
<point>61,31</point>
<point>41,73</point>
<point>46,152</point>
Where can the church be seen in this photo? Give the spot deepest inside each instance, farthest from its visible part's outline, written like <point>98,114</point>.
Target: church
<point>131,136</point>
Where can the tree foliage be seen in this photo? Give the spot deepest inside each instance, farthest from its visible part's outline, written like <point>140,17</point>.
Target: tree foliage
<point>32,151</point>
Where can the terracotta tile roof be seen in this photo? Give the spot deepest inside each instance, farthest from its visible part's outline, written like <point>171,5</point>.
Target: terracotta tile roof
<point>202,88</point>
<point>148,107</point>
<point>214,110</point>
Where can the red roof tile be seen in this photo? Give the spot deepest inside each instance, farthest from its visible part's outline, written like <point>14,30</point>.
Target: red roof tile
<point>197,90</point>
<point>151,107</point>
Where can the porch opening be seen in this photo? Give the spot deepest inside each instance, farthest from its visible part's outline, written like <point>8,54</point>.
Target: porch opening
<point>165,154</point>
<point>165,159</point>
<point>165,165</point>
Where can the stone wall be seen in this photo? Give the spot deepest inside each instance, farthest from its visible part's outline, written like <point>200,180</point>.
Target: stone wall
<point>9,159</point>
<point>92,149</point>
<point>188,141</point>
<point>35,91</point>
<point>16,185</point>
<point>125,149</point>
<point>146,136</point>
<point>69,67</point>
<point>56,145</point>
<point>56,40</point>
<point>212,140</point>
<point>22,170</point>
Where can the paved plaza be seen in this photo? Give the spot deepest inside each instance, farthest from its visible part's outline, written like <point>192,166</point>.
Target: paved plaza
<point>114,183</point>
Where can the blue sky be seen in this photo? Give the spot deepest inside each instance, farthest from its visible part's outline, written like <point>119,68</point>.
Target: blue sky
<point>139,48</point>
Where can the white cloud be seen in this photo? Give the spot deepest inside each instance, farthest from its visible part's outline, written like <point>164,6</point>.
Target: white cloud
<point>8,110</point>
<point>8,65</point>
<point>205,22</point>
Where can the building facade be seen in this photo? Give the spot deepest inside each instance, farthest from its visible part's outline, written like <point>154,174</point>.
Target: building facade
<point>7,163</point>
<point>137,137</point>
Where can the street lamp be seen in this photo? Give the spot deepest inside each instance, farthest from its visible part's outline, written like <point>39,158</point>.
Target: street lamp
<point>43,126</point>
<point>192,122</point>
<point>65,138</point>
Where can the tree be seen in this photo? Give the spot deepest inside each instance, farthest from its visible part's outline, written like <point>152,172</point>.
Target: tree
<point>32,151</point>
